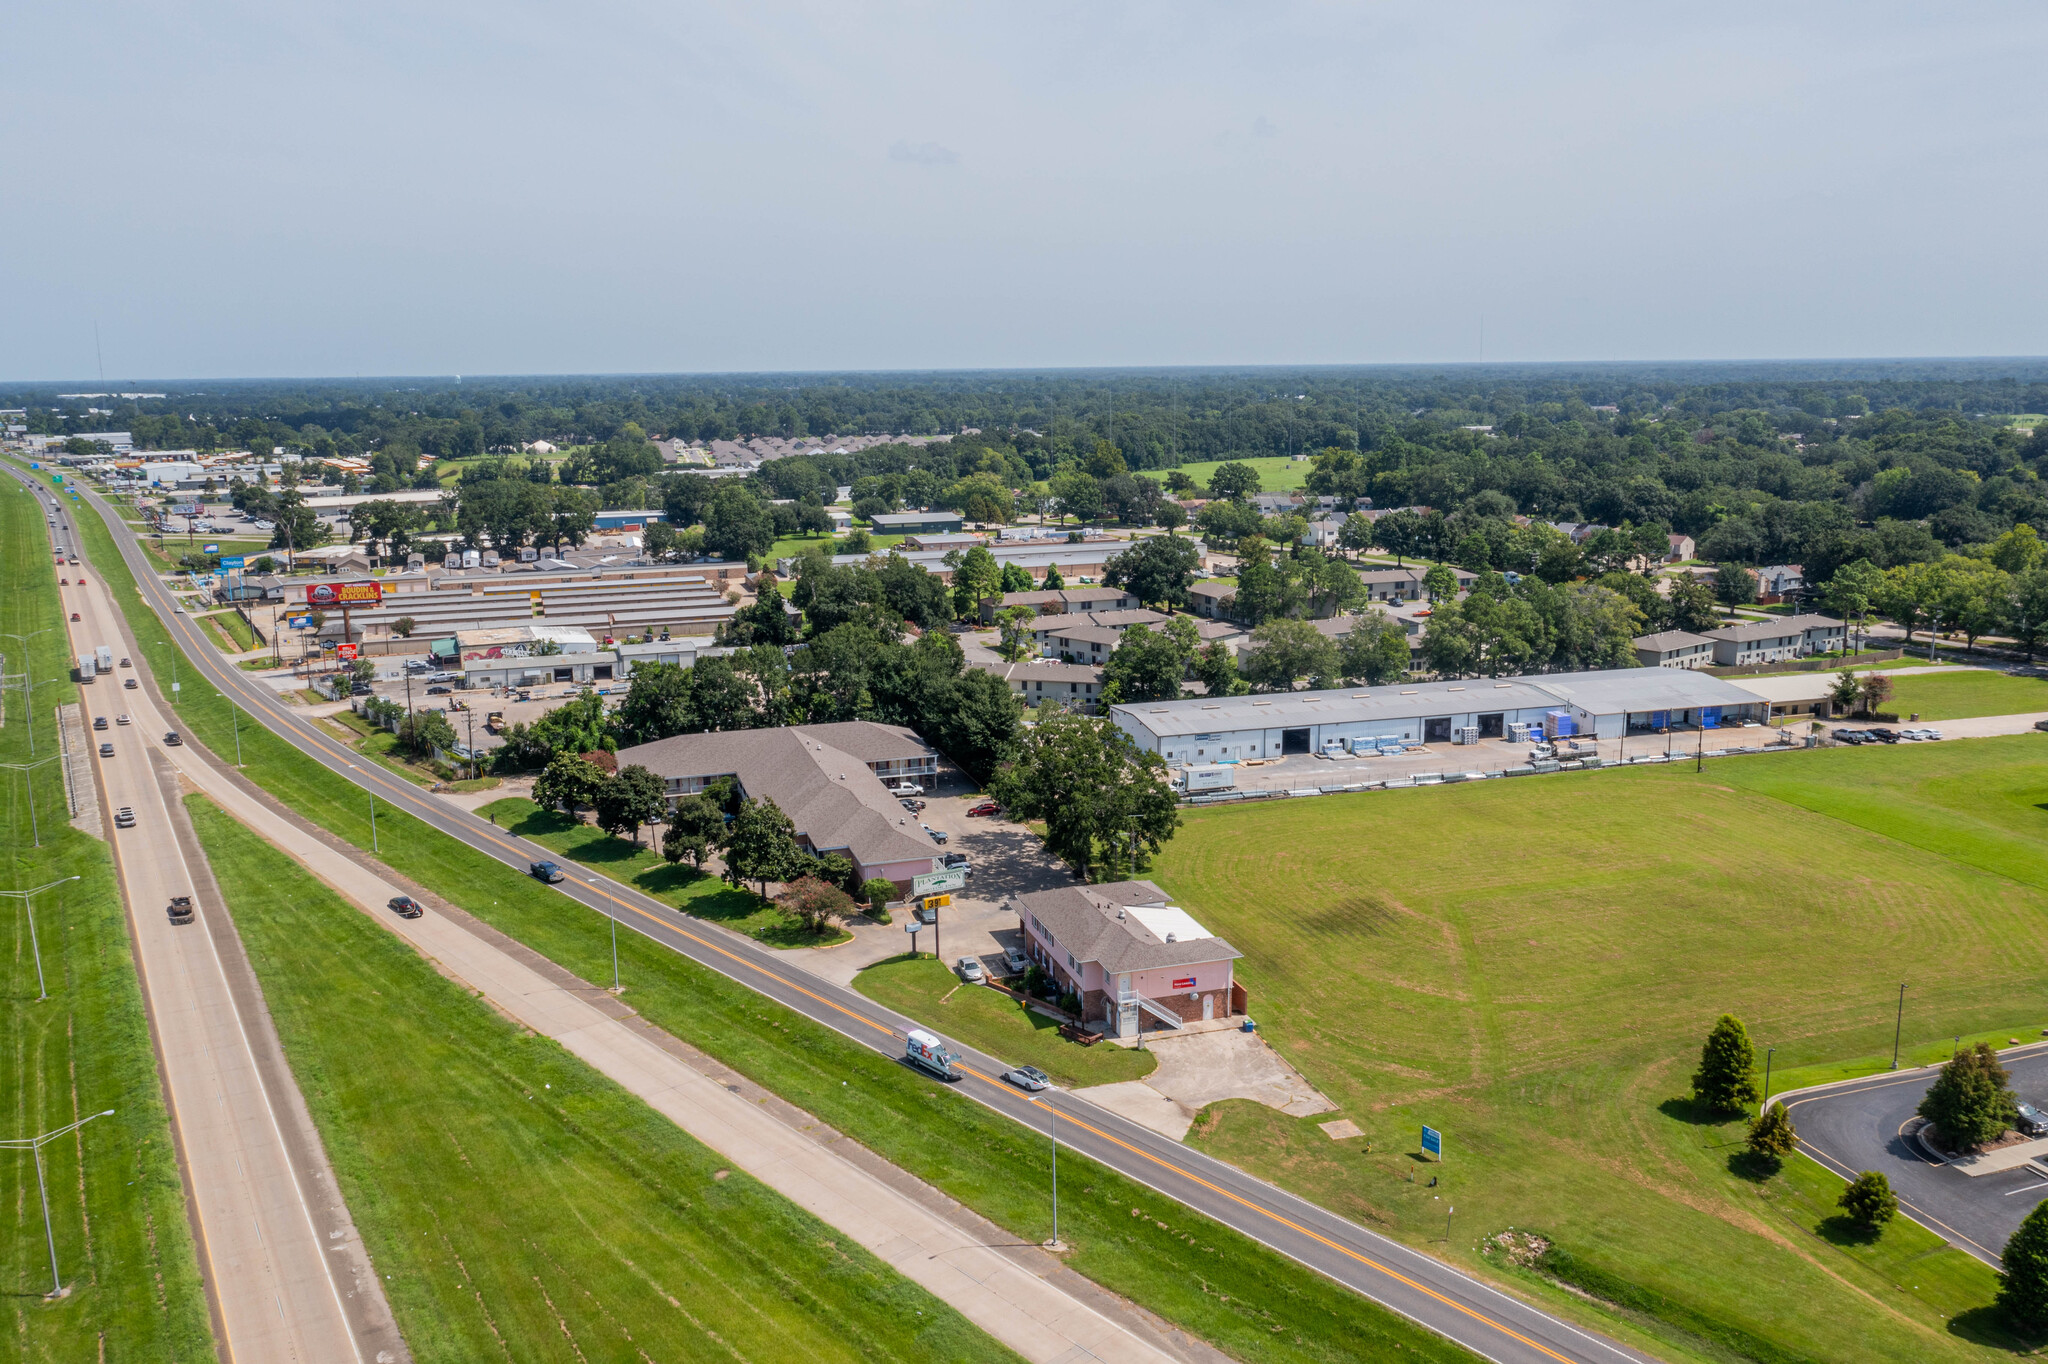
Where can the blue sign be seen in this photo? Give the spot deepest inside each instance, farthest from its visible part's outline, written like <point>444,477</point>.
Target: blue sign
<point>230,560</point>
<point>300,622</point>
<point>211,549</point>
<point>1432,1142</point>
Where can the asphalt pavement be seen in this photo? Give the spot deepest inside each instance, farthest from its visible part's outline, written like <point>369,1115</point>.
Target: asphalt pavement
<point>1861,1125</point>
<point>1440,1297</point>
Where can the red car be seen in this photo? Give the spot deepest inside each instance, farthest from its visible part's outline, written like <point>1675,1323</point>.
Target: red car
<point>987,807</point>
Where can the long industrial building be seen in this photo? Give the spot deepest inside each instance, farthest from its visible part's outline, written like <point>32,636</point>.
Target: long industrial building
<point>1607,704</point>
<point>613,604</point>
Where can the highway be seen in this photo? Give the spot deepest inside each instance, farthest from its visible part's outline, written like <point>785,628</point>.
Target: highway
<point>1490,1323</point>
<point>262,1194</point>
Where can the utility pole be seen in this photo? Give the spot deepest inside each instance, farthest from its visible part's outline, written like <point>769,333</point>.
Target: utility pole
<point>34,1145</point>
<point>29,768</point>
<point>28,690</point>
<point>1899,1025</point>
<point>27,903</point>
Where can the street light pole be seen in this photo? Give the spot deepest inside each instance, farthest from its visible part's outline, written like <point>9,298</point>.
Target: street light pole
<point>1898,1025</point>
<point>34,1145</point>
<point>1764,1107</point>
<point>35,829</point>
<point>374,848</point>
<point>28,690</point>
<point>42,990</point>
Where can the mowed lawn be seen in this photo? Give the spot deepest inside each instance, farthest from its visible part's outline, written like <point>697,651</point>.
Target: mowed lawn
<point>519,1204</point>
<point>1531,966</point>
<point>1277,473</point>
<point>1965,693</point>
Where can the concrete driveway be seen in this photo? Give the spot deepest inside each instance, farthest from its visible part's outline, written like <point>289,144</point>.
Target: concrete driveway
<point>1197,1068</point>
<point>1859,1126</point>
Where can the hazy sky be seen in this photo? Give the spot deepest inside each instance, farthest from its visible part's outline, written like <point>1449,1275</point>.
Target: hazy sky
<point>309,188</point>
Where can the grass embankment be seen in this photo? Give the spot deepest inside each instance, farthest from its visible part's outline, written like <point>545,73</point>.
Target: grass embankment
<point>1277,473</point>
<point>1534,973</point>
<point>926,989</point>
<point>519,1203</point>
<point>117,1205</point>
<point>1966,693</point>
<point>1199,1275</point>
<point>693,892</point>
<point>376,742</point>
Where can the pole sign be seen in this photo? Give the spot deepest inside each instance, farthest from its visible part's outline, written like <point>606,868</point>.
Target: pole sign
<point>937,901</point>
<point>232,562</point>
<point>931,883</point>
<point>345,651</point>
<point>1432,1142</point>
<point>210,549</point>
<point>299,622</point>
<point>344,594</point>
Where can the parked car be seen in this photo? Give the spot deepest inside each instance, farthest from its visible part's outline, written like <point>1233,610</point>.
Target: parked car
<point>987,807</point>
<point>440,691</point>
<point>916,807</point>
<point>938,835</point>
<point>1028,1078</point>
<point>1930,734</point>
<point>180,909</point>
<point>952,861</point>
<point>1015,962</point>
<point>106,750</point>
<point>171,738</point>
<point>906,788</point>
<point>971,971</point>
<point>99,722</point>
<point>1851,736</point>
<point>545,871</point>
<point>1885,736</point>
<point>405,907</point>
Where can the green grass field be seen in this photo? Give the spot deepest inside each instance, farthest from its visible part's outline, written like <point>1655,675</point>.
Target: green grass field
<point>699,894</point>
<point>1530,967</point>
<point>1277,473</point>
<point>1202,1277</point>
<point>116,1202</point>
<point>623,1236</point>
<point>795,545</point>
<point>1966,693</point>
<point>926,988</point>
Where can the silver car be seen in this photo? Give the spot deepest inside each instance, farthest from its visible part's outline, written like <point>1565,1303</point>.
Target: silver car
<point>971,971</point>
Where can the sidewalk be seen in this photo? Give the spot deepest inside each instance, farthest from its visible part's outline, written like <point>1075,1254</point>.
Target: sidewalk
<point>1008,1290</point>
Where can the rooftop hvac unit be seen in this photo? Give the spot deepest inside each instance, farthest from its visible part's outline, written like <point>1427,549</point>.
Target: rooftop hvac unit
<point>1465,734</point>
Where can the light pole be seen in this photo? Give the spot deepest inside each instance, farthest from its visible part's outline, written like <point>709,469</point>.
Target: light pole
<point>613,915</point>
<point>235,715</point>
<point>34,1145</point>
<point>34,828</point>
<point>1898,1025</point>
<point>374,848</point>
<point>1052,1130</point>
<point>1769,1052</point>
<point>27,684</point>
<point>42,991</point>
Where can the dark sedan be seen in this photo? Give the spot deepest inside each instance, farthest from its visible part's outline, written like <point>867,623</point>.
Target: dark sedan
<point>545,871</point>
<point>405,907</point>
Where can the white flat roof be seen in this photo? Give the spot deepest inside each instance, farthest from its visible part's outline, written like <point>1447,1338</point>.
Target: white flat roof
<point>1169,920</point>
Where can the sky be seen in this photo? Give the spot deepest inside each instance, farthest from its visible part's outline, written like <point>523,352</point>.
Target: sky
<point>256,190</point>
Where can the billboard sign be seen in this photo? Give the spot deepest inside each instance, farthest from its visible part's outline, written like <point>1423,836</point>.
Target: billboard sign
<point>231,561</point>
<point>186,509</point>
<point>1432,1142</point>
<point>210,549</point>
<point>299,622</point>
<point>345,650</point>
<point>344,594</point>
<point>932,883</point>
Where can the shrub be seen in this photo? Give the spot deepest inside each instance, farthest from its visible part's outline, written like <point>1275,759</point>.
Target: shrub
<point>816,903</point>
<point>878,892</point>
<point>1726,1079</point>
<point>1772,1134</point>
<point>1870,1201</point>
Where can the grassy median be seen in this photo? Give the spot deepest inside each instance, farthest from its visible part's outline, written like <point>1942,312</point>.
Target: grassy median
<point>117,1204</point>
<point>1205,1278</point>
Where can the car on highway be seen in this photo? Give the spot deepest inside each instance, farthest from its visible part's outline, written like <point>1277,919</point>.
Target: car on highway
<point>74,615</point>
<point>545,871</point>
<point>124,818</point>
<point>1015,962</point>
<point>129,684</point>
<point>125,663</point>
<point>106,750</point>
<point>971,970</point>
<point>180,909</point>
<point>121,720</point>
<point>1028,1078</point>
<point>63,582</point>
<point>987,807</point>
<point>405,907</point>
<point>171,738</point>
<point>99,722</point>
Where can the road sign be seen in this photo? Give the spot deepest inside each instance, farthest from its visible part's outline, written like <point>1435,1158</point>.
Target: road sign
<point>231,561</point>
<point>952,878</point>
<point>1432,1142</point>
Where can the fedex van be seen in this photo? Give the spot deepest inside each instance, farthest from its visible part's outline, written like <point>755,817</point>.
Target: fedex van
<point>928,1053</point>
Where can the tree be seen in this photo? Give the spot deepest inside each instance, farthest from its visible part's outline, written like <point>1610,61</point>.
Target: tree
<point>568,781</point>
<point>978,576</point>
<point>694,827</point>
<point>2027,610</point>
<point>421,732</point>
<point>2018,550</point>
<point>814,902</point>
<point>970,714</point>
<point>1440,583</point>
<point>1971,1101</point>
<point>1726,1079</point>
<point>761,845</point>
<point>403,627</point>
<point>1844,691</point>
<point>1690,605</point>
<point>1149,665</point>
<point>1016,578</point>
<point>1356,534</point>
<point>878,892</point>
<point>1156,570</point>
<point>1875,689</point>
<point>1771,1135</point>
<point>634,797</point>
<point>2023,1287</point>
<point>1014,624</point>
<point>1375,652</point>
<point>1105,803</point>
<point>1077,495</point>
<point>1854,590</point>
<point>1236,482</point>
<point>1869,1201</point>
<point>1734,585</point>
<point>1170,517</point>
<point>737,524</point>
<point>1215,667</point>
<point>1399,533</point>
<point>1281,651</point>
<point>1052,581</point>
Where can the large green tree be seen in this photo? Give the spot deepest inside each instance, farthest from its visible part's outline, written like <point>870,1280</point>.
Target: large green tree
<point>761,845</point>
<point>2023,1287</point>
<point>1726,1079</point>
<point>737,524</point>
<point>1156,570</point>
<point>695,827</point>
<point>1106,805</point>
<point>1970,1101</point>
<point>1282,652</point>
<point>1150,665</point>
<point>633,797</point>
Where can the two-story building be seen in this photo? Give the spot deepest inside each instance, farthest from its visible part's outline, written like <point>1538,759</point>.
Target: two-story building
<point>1754,642</point>
<point>1045,681</point>
<point>1130,956</point>
<point>1673,649</point>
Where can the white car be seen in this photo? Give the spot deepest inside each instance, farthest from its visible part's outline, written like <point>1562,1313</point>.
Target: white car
<point>971,971</point>
<point>906,788</point>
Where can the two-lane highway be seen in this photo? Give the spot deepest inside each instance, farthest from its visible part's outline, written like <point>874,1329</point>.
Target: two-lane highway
<point>1485,1320</point>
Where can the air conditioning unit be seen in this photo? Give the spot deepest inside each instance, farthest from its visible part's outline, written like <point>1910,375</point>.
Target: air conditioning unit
<point>1465,734</point>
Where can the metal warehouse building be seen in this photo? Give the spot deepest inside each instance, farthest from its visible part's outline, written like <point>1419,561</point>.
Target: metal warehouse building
<point>1607,704</point>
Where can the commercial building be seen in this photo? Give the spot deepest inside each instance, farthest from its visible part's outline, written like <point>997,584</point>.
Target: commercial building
<point>1129,954</point>
<point>917,522</point>
<point>1606,703</point>
<point>1674,649</point>
<point>1077,563</point>
<point>831,780</point>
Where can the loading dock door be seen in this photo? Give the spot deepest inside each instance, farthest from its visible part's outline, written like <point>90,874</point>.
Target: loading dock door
<point>1435,731</point>
<point>1294,741</point>
<point>1492,726</point>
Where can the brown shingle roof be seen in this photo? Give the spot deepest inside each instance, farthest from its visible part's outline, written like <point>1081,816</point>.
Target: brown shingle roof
<point>1084,921</point>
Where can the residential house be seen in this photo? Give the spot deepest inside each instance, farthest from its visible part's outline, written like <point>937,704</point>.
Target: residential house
<point>1129,955</point>
<point>1060,601</point>
<point>1682,548</point>
<point>1819,634</point>
<point>1213,597</point>
<point>1043,681</point>
<point>1674,649</point>
<point>1754,642</point>
<point>1776,582</point>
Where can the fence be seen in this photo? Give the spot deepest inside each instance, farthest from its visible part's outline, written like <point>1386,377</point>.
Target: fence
<point>1816,664</point>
